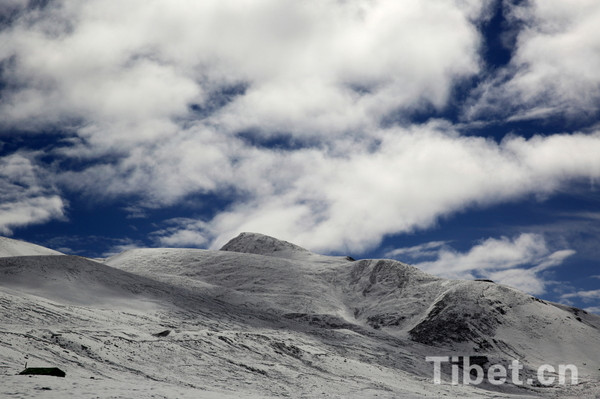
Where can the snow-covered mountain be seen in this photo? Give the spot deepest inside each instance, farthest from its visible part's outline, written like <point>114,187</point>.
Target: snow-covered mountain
<point>265,318</point>
<point>10,247</point>
<point>260,244</point>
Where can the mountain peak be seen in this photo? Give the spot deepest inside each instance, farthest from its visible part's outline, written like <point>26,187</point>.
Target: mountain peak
<point>260,244</point>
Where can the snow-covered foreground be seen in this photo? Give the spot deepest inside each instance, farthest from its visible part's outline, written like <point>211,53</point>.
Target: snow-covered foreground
<point>264,318</point>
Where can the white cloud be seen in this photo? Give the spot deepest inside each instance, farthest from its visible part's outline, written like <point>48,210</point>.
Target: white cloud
<point>192,160</point>
<point>585,295</point>
<point>588,297</point>
<point>126,245</point>
<point>184,238</point>
<point>492,253</point>
<point>555,66</point>
<point>410,180</point>
<point>127,70</point>
<point>11,7</point>
<point>518,262</point>
<point>140,85</point>
<point>26,197</point>
<point>339,199</point>
<point>418,251</point>
<point>593,309</point>
<point>527,280</point>
<point>182,232</point>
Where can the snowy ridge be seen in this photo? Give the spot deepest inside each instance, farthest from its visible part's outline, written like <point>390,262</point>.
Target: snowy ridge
<point>75,280</point>
<point>227,324</point>
<point>10,247</point>
<point>259,244</point>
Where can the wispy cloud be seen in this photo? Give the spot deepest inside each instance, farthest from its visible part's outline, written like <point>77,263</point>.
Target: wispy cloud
<point>593,309</point>
<point>577,230</point>
<point>89,245</point>
<point>125,245</point>
<point>589,298</point>
<point>585,295</point>
<point>27,196</point>
<point>182,232</point>
<point>555,67</point>
<point>519,262</point>
<point>426,250</point>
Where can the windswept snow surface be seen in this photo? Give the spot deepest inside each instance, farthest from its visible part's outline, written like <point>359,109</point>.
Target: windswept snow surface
<point>260,244</point>
<point>266,318</point>
<point>10,247</point>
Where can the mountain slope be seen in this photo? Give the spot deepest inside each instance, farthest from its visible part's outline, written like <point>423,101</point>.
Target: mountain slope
<point>10,247</point>
<point>192,345</point>
<point>260,244</point>
<point>78,281</point>
<point>265,318</point>
<point>383,297</point>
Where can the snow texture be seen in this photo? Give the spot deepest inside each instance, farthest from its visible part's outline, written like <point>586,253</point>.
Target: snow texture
<point>10,247</point>
<point>260,244</point>
<point>265,318</point>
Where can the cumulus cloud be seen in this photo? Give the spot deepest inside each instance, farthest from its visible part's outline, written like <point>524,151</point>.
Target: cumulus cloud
<point>167,99</point>
<point>411,179</point>
<point>518,262</point>
<point>555,65</point>
<point>126,72</point>
<point>338,200</point>
<point>25,196</point>
<point>182,232</point>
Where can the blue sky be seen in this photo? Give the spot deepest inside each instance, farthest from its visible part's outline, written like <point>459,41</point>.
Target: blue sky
<point>460,136</point>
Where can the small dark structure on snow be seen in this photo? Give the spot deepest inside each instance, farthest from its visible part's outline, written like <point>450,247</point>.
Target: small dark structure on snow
<point>53,371</point>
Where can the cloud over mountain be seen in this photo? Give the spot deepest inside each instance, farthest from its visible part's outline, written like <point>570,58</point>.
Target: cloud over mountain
<point>519,262</point>
<point>300,116</point>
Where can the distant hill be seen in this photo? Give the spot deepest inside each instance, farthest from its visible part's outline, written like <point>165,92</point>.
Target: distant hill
<point>10,247</point>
